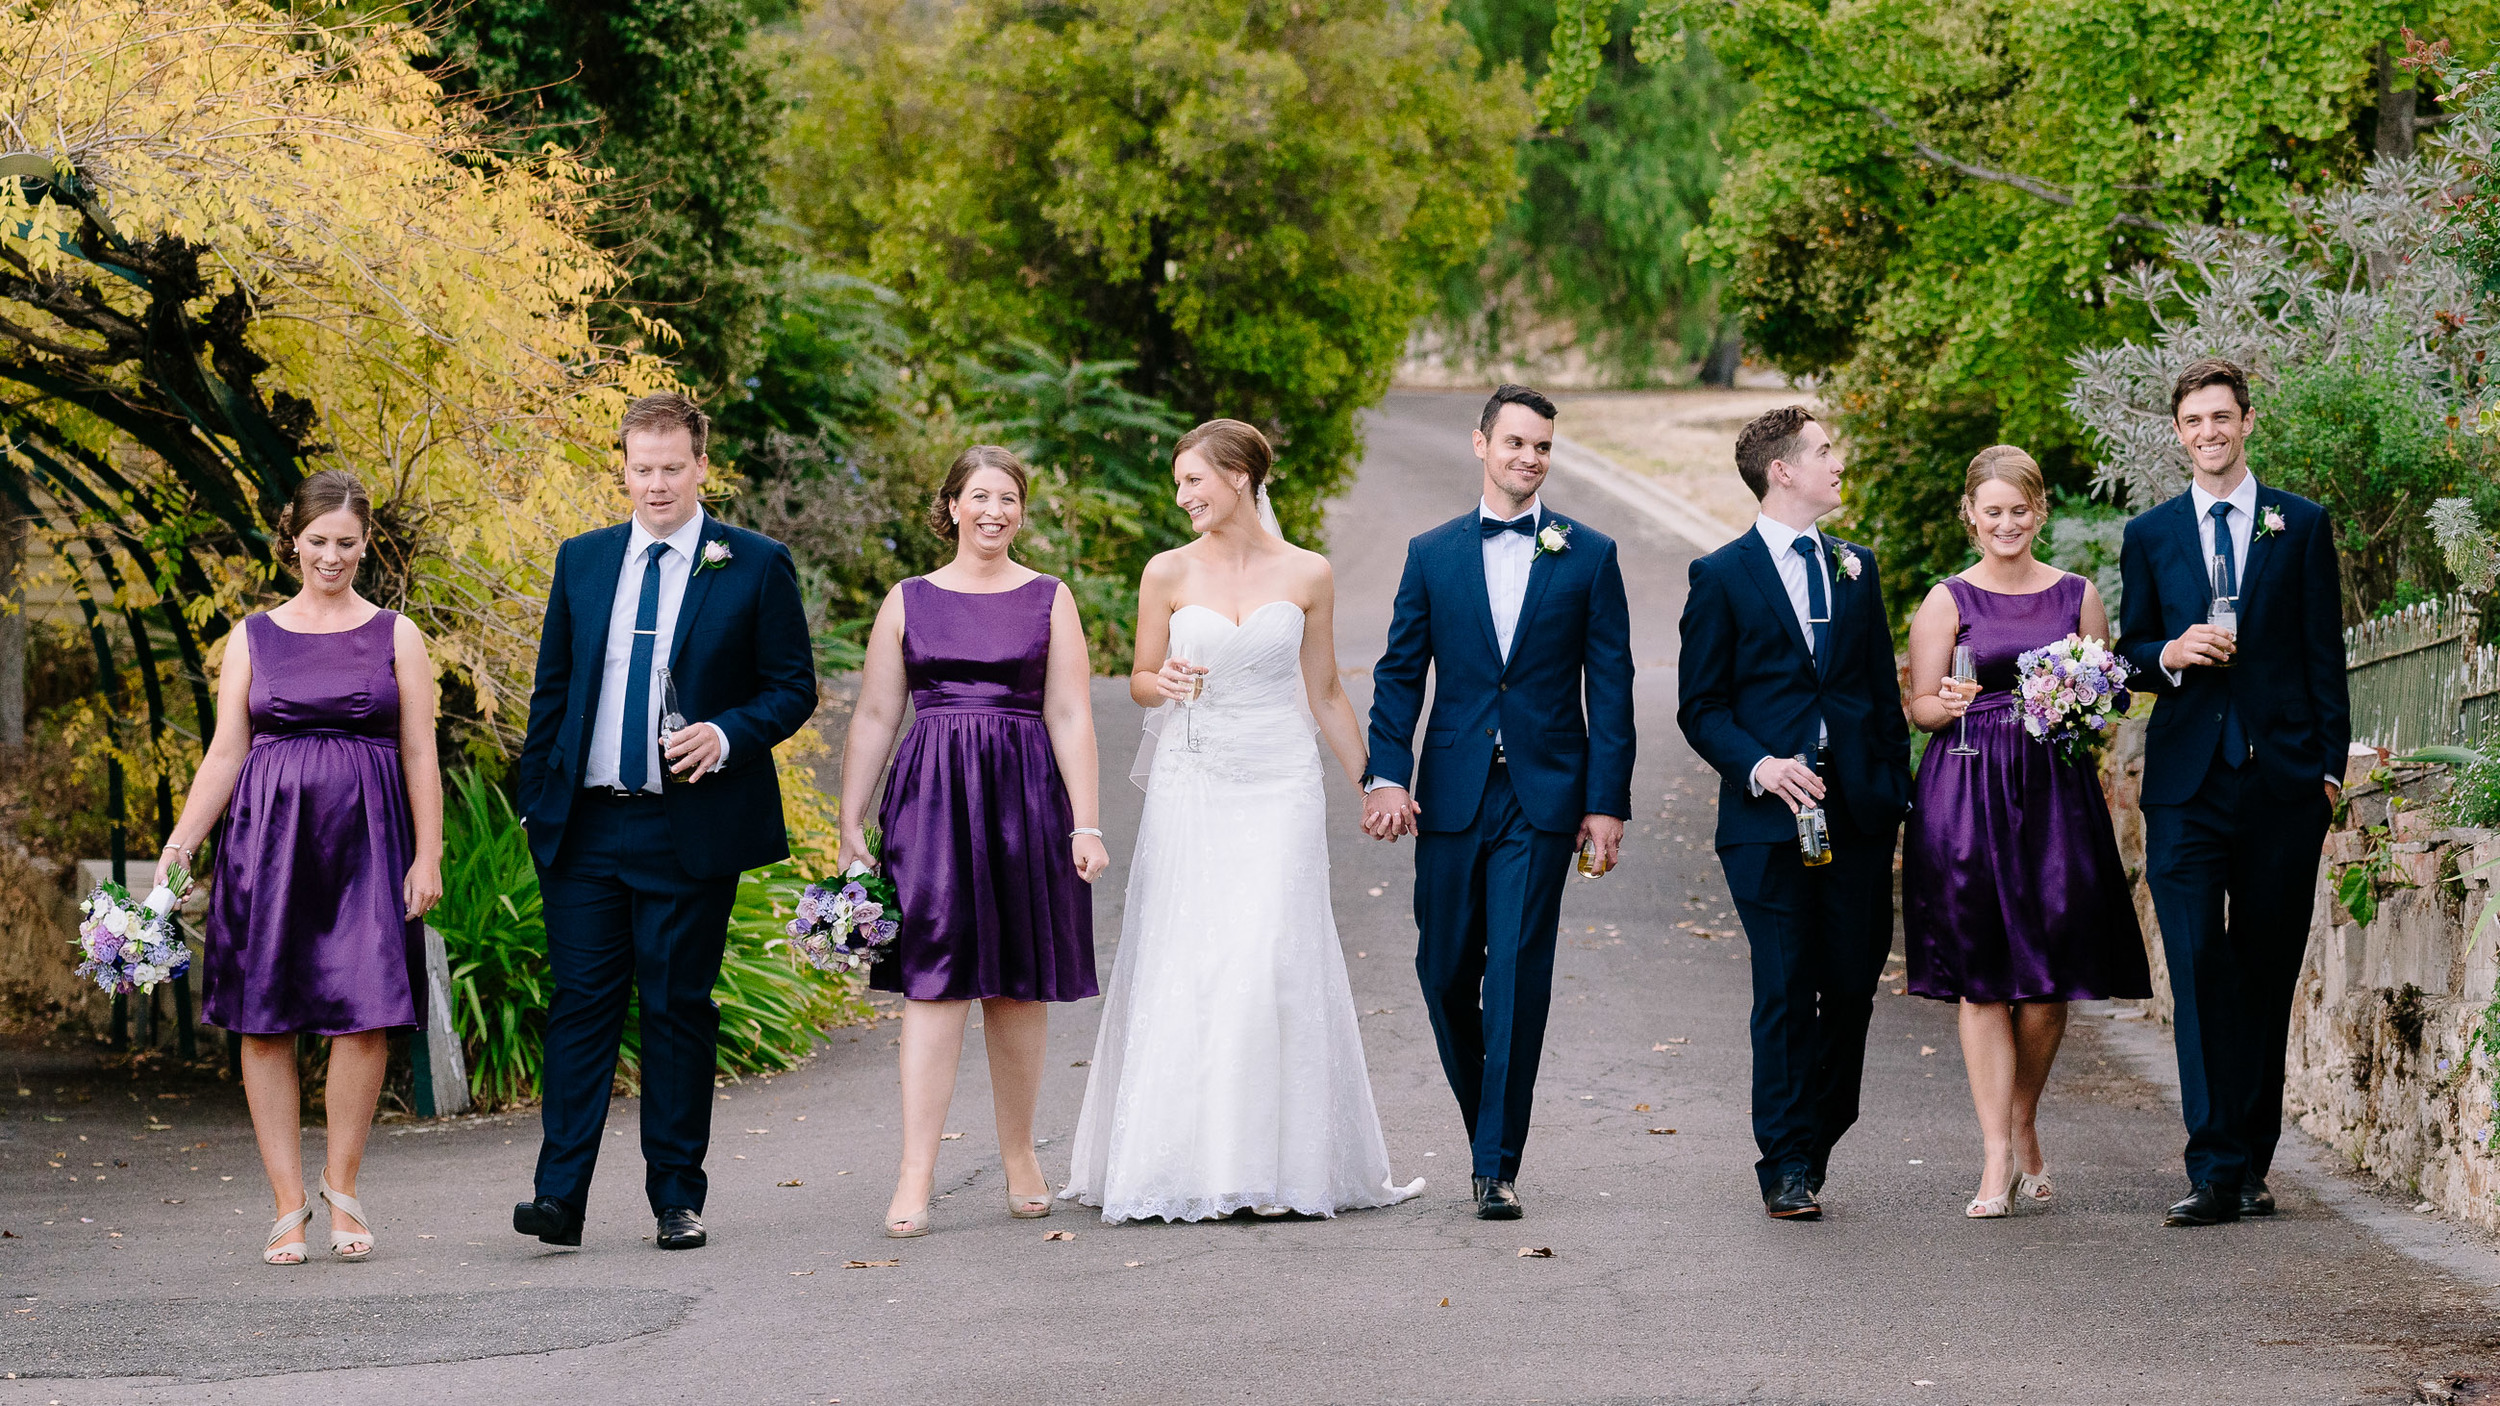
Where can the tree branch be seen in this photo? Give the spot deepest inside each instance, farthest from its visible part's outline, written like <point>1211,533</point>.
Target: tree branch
<point>2029,185</point>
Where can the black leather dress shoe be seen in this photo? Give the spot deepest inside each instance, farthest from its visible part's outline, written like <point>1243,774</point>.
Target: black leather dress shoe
<point>550,1220</point>
<point>1793,1199</point>
<point>2255,1199</point>
<point>1496,1200</point>
<point>681,1229</point>
<point>2208,1204</point>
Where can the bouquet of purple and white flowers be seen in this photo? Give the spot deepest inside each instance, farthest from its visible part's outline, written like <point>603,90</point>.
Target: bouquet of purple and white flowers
<point>840,927</point>
<point>131,946</point>
<point>2072,693</point>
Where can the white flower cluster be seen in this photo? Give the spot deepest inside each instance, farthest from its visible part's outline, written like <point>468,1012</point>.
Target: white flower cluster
<point>129,946</point>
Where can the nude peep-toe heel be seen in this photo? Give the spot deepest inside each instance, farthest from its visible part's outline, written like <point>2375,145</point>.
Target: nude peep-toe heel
<point>1028,1207</point>
<point>341,1239</point>
<point>289,1224</point>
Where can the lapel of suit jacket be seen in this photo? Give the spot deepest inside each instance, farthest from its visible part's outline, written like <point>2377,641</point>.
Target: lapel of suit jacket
<point>2185,533</point>
<point>1766,578</point>
<point>602,563</point>
<point>1541,569</point>
<point>1471,572</point>
<point>2260,551</point>
<point>698,585</point>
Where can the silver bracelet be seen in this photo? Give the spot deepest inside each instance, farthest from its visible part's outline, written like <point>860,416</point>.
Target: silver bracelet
<point>1084,830</point>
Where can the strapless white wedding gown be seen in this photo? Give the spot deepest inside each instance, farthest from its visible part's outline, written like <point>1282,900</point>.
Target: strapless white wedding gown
<point>1229,1072</point>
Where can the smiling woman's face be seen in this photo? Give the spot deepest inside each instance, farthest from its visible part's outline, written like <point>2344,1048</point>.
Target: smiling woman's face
<point>1208,494</point>
<point>989,511</point>
<point>327,550</point>
<point>2003,519</point>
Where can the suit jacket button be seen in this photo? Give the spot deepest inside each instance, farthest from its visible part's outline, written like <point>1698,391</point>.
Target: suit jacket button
<point>1505,688</point>
<point>1488,732</point>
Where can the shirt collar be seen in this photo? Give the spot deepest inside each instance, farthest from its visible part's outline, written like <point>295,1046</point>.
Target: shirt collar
<point>2243,498</point>
<point>683,541</point>
<point>1485,511</point>
<point>1778,535</point>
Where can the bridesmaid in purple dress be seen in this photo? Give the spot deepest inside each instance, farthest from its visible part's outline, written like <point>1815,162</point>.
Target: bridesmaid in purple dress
<point>990,823</point>
<point>322,770</point>
<point>2013,899</point>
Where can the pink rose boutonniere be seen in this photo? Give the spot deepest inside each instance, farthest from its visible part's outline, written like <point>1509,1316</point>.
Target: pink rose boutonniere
<point>2269,522</point>
<point>1846,562</point>
<point>716,553</point>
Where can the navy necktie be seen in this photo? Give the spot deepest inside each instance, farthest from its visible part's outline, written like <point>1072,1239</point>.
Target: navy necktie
<point>633,762</point>
<point>1818,605</point>
<point>1524,525</point>
<point>2234,737</point>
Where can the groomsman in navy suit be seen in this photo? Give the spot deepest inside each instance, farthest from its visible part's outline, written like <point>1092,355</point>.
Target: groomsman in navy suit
<point>2243,763</point>
<point>1787,689</point>
<point>639,844</point>
<point>1519,614</point>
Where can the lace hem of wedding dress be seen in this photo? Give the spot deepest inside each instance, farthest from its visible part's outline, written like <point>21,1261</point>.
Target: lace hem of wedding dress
<point>1196,1208</point>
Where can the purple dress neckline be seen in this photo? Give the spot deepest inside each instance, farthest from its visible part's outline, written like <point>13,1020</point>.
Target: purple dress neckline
<point>2011,884</point>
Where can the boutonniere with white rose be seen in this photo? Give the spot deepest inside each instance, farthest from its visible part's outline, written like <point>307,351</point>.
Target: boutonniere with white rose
<point>2269,522</point>
<point>1554,538</point>
<point>716,553</point>
<point>1846,562</point>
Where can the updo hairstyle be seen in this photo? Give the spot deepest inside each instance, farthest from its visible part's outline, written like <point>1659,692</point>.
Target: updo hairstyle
<point>2005,464</point>
<point>1232,446</point>
<point>968,463</point>
<point>324,493</point>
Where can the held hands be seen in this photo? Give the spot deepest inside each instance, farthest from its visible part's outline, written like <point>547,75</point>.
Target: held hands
<point>692,751</point>
<point>423,888</point>
<point>1178,679</point>
<point>1785,777</point>
<point>2201,644</point>
<point>1389,812</point>
<point>1605,834</point>
<point>1091,857</point>
<point>1950,696</point>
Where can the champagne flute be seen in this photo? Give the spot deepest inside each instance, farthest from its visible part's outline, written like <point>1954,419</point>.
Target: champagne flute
<point>2224,613</point>
<point>1966,674</point>
<point>1189,708</point>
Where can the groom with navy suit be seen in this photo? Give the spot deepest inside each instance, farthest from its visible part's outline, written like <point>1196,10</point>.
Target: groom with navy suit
<point>1519,615</point>
<point>2243,763</point>
<point>639,843</point>
<point>1786,688</point>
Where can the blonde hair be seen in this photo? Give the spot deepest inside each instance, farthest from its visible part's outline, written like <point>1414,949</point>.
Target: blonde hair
<point>2003,463</point>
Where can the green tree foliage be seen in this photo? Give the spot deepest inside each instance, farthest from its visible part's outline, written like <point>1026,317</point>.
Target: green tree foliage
<point>1934,190</point>
<point>1595,240</point>
<point>1249,202</point>
<point>666,96</point>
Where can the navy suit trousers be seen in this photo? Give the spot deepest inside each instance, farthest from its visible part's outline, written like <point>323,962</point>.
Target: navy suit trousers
<point>2234,965</point>
<point>1487,899</point>
<point>624,918</point>
<point>1819,937</point>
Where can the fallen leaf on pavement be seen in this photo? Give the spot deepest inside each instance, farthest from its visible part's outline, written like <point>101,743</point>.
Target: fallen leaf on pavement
<point>1133,1264</point>
<point>1060,1235</point>
<point>1540,1252</point>
<point>870,1264</point>
<point>1079,1064</point>
<point>1661,1132</point>
<point>1926,1050</point>
<point>1445,1303</point>
<point>1679,1039</point>
<point>800,1273</point>
<point>794,1181</point>
<point>1640,1108</point>
<point>949,1137</point>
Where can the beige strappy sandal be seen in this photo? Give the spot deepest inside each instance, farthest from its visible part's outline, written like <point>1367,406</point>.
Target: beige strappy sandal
<point>341,1239</point>
<point>289,1224</point>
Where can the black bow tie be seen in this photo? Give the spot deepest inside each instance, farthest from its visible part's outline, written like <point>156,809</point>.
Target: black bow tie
<point>1524,525</point>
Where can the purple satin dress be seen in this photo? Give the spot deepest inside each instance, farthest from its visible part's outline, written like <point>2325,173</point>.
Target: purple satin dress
<point>976,817</point>
<point>307,921</point>
<point>2011,885</point>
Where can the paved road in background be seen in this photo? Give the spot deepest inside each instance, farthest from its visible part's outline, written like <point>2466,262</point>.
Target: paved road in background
<point>141,1283</point>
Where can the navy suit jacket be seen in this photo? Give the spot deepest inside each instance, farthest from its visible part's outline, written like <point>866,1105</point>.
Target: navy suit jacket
<point>2287,680</point>
<point>1748,688</point>
<point>741,658</point>
<point>1562,702</point>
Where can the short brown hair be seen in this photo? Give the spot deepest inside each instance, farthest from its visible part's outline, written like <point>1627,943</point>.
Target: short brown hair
<point>2209,371</point>
<point>1233,446</point>
<point>2003,463</point>
<point>318,496</point>
<point>1766,437</point>
<point>959,473</point>
<point>665,411</point>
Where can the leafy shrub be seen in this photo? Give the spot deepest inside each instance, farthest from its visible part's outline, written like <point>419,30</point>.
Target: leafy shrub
<point>495,934</point>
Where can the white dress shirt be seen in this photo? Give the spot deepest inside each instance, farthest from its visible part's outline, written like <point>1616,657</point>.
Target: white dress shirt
<point>2243,521</point>
<point>607,727</point>
<point>1507,557</point>
<point>1792,567</point>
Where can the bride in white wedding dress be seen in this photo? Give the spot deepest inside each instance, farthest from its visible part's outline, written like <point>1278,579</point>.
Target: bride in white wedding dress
<point>1228,1073</point>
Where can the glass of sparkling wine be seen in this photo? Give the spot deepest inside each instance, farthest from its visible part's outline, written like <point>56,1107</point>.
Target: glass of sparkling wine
<point>1966,674</point>
<point>2224,613</point>
<point>1189,708</point>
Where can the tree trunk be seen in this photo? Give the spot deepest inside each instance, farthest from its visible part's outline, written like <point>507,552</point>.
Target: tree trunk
<point>2395,110</point>
<point>12,637</point>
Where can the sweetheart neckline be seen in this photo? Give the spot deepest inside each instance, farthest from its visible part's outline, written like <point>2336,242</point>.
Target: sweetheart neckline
<point>1244,621</point>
